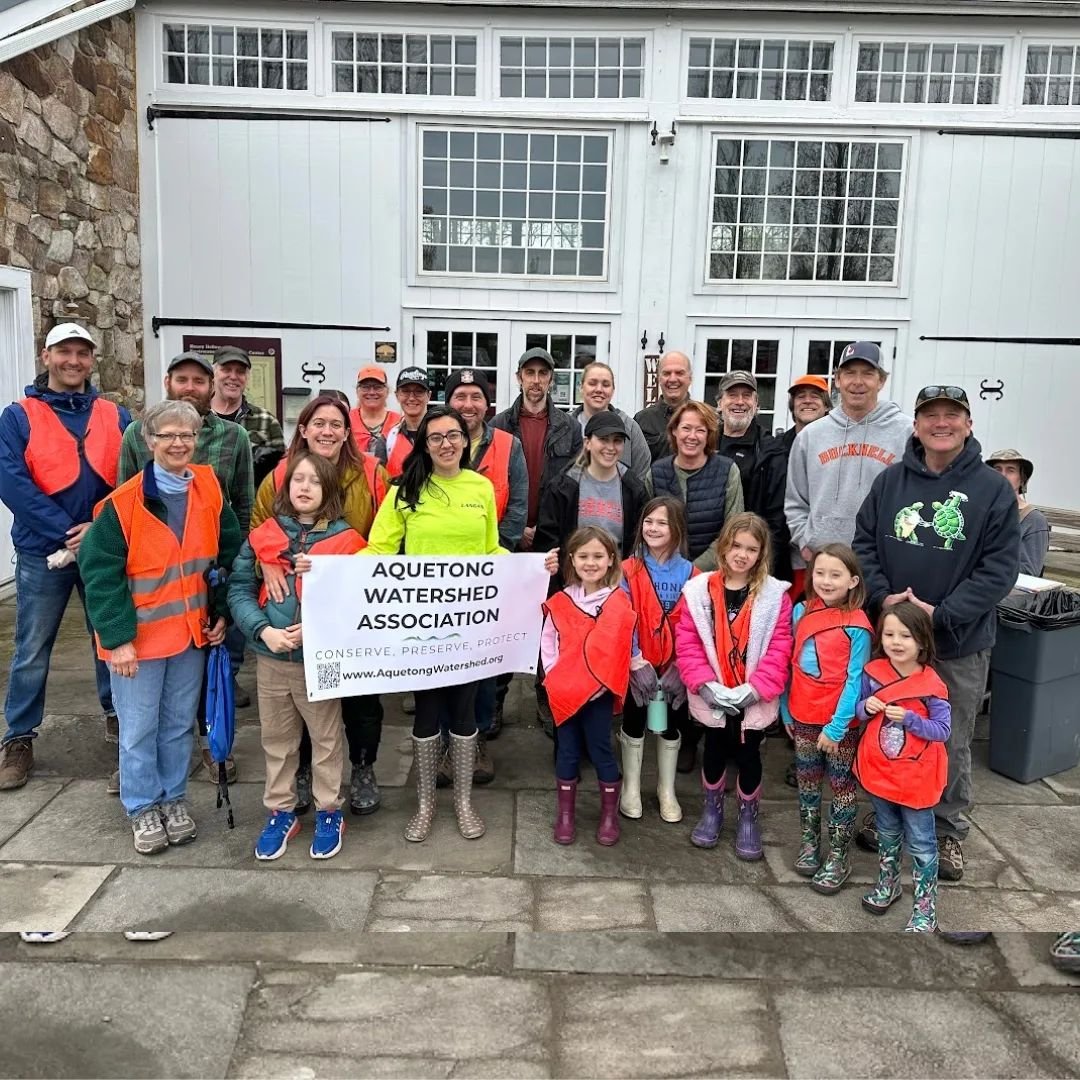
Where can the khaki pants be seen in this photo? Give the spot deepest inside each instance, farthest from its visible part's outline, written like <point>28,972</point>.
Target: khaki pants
<point>283,710</point>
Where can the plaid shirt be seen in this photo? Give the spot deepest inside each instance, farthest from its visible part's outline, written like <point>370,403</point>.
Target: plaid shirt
<point>222,445</point>
<point>262,427</point>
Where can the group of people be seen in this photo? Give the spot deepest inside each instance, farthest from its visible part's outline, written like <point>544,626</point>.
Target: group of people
<point>679,538</point>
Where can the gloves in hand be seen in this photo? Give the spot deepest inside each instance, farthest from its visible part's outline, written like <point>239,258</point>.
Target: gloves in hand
<point>742,696</point>
<point>672,685</point>
<point>718,698</point>
<point>643,684</point>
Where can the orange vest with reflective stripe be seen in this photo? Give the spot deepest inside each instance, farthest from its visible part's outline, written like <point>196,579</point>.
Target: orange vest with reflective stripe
<point>370,465</point>
<point>656,631</point>
<point>495,465</point>
<point>812,699</point>
<point>398,452</point>
<point>271,544</point>
<point>53,453</point>
<point>917,777</point>
<point>594,653</point>
<point>361,435</point>
<point>166,577</point>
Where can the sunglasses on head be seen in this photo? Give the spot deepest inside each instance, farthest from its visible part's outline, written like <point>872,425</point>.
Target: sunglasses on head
<point>953,393</point>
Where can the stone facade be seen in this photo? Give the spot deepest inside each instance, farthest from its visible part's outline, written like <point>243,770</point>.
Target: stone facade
<point>69,191</point>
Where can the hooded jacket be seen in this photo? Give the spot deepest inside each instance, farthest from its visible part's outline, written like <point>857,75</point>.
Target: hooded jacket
<point>832,464</point>
<point>636,455</point>
<point>953,537</point>
<point>42,521</point>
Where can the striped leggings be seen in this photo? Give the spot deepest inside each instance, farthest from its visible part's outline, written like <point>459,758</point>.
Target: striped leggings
<point>813,766</point>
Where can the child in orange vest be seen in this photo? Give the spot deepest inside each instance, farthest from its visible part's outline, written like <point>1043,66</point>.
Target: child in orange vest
<point>588,649</point>
<point>902,761</point>
<point>308,508</point>
<point>832,646</point>
<point>733,648</point>
<point>654,577</point>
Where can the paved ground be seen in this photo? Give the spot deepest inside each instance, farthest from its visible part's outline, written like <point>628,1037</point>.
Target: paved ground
<point>269,975</point>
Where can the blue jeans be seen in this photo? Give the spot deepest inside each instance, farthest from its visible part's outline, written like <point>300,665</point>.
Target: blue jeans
<point>916,826</point>
<point>591,724</point>
<point>156,709</point>
<point>40,601</point>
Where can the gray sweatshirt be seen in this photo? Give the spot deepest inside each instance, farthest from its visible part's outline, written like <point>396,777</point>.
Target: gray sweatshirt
<point>833,462</point>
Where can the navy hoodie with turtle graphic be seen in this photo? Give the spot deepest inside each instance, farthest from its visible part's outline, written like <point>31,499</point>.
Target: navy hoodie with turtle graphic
<point>953,537</point>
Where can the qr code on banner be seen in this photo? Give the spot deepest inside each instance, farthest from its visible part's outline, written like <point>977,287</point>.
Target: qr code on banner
<point>329,675</point>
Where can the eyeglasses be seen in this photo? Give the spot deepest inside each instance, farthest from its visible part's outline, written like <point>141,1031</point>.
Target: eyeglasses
<point>437,438</point>
<point>322,425</point>
<point>413,391</point>
<point>187,438</point>
<point>953,393</point>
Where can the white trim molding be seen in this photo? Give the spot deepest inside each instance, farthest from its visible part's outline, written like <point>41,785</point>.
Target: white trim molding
<point>27,40</point>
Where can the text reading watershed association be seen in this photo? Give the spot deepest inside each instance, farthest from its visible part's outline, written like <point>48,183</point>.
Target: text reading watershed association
<point>409,596</point>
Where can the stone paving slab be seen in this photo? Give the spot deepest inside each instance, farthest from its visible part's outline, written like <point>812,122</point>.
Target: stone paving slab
<point>1065,784</point>
<point>451,903</point>
<point>41,897</point>
<point>649,849</point>
<point>993,788</point>
<point>230,900</point>
<point>667,1028</point>
<point>472,1020</point>
<point>1044,842</point>
<point>66,1033</point>
<point>594,904</point>
<point>883,959</point>
<point>70,742</point>
<point>1026,957</point>
<point>1049,1022</point>
<point>903,1033</point>
<point>696,907</point>
<point>19,806</point>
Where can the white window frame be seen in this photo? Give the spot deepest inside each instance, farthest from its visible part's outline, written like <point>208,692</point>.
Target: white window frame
<point>897,287</point>
<point>589,326</point>
<point>641,99</point>
<point>437,279</point>
<point>1064,112</point>
<point>1007,85</point>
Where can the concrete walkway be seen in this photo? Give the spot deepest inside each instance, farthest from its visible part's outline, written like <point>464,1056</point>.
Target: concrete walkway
<point>268,975</point>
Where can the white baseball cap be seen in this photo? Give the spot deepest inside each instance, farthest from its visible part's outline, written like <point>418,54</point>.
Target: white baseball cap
<point>65,332</point>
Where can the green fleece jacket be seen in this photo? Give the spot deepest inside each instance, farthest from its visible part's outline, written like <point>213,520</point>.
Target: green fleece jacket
<point>103,557</point>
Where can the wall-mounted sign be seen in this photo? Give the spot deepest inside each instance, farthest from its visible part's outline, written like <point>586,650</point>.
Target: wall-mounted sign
<point>264,382</point>
<point>650,378</point>
<point>385,352</point>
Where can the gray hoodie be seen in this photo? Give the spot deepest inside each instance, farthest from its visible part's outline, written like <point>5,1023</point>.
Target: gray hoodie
<point>833,462</point>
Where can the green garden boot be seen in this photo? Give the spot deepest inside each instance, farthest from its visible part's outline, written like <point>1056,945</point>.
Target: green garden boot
<point>808,860</point>
<point>924,873</point>
<point>836,868</point>
<point>887,890</point>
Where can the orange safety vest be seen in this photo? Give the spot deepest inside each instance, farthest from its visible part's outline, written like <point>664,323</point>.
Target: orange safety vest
<point>52,452</point>
<point>370,464</point>
<point>917,777</point>
<point>495,465</point>
<point>812,699</point>
<point>656,630</point>
<point>594,653</point>
<point>360,433</point>
<point>271,544</point>
<point>167,578</point>
<point>398,452</point>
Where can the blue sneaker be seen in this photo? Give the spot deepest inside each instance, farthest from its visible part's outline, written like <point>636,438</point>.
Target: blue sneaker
<point>329,827</point>
<point>280,828</point>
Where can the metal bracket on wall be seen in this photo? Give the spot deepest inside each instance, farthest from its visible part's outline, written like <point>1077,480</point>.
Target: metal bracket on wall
<point>159,321</point>
<point>161,112</point>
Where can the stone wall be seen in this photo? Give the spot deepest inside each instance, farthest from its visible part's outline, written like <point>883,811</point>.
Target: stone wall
<point>69,191</point>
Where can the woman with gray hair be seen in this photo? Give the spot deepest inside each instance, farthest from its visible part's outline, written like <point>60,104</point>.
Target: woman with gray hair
<point>145,561</point>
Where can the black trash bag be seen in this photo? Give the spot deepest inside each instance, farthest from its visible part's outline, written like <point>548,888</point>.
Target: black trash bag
<point>1054,609</point>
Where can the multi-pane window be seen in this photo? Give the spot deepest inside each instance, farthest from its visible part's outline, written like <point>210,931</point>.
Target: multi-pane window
<point>805,210</point>
<point>256,57</point>
<point>760,69</point>
<point>572,353</point>
<point>1052,75</point>
<point>920,72</point>
<point>758,356</point>
<point>514,202</point>
<point>823,356</point>
<point>448,350</point>
<point>434,64</point>
<point>571,67</point>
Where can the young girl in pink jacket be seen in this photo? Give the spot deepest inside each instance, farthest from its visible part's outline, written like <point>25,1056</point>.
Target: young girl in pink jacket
<point>733,648</point>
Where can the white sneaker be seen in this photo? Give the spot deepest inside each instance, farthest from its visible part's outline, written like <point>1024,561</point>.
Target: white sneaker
<point>38,937</point>
<point>147,935</point>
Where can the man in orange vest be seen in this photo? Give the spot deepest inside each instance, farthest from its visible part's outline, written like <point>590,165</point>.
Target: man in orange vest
<point>59,448</point>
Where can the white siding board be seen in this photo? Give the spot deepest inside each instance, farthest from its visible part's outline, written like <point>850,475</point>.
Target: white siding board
<point>233,219</point>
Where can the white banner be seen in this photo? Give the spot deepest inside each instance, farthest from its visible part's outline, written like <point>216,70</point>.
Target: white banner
<point>384,624</point>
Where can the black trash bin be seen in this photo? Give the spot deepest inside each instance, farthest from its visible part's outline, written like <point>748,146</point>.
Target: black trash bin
<point>1035,704</point>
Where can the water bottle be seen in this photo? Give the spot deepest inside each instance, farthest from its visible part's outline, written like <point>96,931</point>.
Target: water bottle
<point>656,712</point>
<point>891,739</point>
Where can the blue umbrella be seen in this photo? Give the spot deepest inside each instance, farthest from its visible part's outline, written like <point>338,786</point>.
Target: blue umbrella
<point>220,709</point>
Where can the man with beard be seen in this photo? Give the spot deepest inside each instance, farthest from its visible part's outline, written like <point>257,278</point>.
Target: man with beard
<point>674,380</point>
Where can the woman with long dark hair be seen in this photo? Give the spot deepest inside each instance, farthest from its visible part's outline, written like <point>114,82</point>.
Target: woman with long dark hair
<point>324,428</point>
<point>440,507</point>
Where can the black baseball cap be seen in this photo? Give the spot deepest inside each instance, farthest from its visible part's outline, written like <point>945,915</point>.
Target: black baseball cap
<point>955,394</point>
<point>412,376</point>
<point>466,377</point>
<point>607,422</point>
<point>536,354</point>
<point>869,351</point>
<point>191,358</point>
